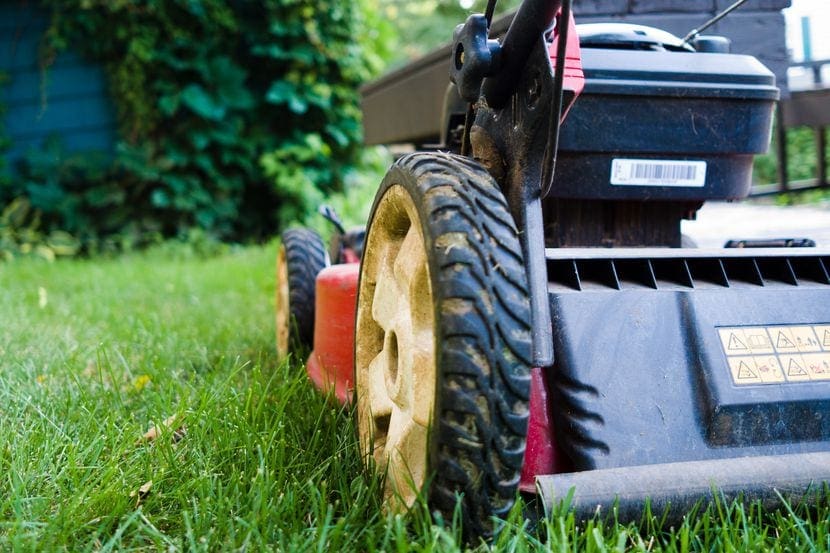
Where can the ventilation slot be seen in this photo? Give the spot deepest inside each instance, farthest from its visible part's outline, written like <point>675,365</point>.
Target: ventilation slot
<point>809,269</point>
<point>777,269</point>
<point>562,272</point>
<point>707,271</point>
<point>671,272</point>
<point>597,272</point>
<point>742,270</point>
<point>635,273</point>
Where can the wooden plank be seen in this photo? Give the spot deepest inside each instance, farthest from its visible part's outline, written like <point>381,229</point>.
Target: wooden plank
<point>21,29</point>
<point>60,116</point>
<point>21,15</point>
<point>85,140</point>
<point>807,107</point>
<point>63,81</point>
<point>22,55</point>
<point>77,107</point>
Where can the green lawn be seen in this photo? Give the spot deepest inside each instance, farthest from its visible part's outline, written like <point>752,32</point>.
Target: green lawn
<point>94,352</point>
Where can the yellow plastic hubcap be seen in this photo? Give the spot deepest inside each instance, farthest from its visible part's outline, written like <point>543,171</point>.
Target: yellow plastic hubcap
<point>395,349</point>
<point>283,308</point>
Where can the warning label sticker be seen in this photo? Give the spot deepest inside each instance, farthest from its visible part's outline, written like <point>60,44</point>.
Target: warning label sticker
<point>823,335</point>
<point>760,369</point>
<point>741,341</point>
<point>777,354</point>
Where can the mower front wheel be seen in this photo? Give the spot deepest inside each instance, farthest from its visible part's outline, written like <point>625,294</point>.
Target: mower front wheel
<point>301,256</point>
<point>442,341</point>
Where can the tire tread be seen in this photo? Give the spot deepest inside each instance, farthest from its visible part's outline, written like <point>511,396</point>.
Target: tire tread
<point>305,256</point>
<point>488,273</point>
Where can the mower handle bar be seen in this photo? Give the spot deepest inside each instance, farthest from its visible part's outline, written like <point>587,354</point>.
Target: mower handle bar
<point>531,21</point>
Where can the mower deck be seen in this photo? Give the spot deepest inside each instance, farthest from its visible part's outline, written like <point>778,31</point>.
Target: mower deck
<point>674,489</point>
<point>740,338</point>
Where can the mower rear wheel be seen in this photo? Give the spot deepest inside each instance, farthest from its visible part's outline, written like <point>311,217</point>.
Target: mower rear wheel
<point>442,341</point>
<point>301,256</point>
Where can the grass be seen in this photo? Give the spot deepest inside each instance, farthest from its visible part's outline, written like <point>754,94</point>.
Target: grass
<point>94,352</point>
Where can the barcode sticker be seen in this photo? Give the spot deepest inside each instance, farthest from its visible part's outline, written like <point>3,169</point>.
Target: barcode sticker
<point>658,172</point>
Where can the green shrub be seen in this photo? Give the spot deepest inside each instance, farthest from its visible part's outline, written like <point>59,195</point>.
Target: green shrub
<point>21,235</point>
<point>801,157</point>
<point>234,116</point>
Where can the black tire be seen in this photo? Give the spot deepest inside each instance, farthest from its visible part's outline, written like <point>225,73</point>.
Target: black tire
<point>482,338</point>
<point>301,257</point>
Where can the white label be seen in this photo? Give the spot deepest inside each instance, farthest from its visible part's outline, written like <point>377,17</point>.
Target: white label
<point>658,172</point>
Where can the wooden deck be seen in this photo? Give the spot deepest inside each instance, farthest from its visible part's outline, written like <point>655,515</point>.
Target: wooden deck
<point>811,108</point>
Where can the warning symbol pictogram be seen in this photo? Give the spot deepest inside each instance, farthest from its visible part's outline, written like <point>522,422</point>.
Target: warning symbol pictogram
<point>735,343</point>
<point>758,341</point>
<point>745,372</point>
<point>783,342</point>
<point>795,369</point>
<point>826,341</point>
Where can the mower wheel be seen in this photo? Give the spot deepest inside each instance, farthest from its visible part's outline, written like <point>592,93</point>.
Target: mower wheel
<point>301,257</point>
<point>442,341</point>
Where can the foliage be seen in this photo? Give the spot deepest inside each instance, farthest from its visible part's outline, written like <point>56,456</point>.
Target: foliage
<point>234,117</point>
<point>801,156</point>
<point>96,351</point>
<point>424,25</point>
<point>354,202</point>
<point>85,195</point>
<point>20,235</point>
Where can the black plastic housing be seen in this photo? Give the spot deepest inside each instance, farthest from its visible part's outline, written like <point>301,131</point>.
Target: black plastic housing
<point>669,106</point>
<point>643,372</point>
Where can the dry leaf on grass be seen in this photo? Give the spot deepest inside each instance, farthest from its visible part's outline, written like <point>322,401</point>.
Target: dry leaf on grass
<point>142,491</point>
<point>91,369</point>
<point>174,423</point>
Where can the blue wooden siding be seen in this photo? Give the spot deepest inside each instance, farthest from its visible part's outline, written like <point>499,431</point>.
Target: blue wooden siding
<point>70,99</point>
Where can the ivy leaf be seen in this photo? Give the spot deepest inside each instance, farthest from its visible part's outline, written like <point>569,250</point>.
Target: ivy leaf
<point>169,103</point>
<point>200,140</point>
<point>159,198</point>
<point>200,102</point>
<point>338,135</point>
<point>283,92</point>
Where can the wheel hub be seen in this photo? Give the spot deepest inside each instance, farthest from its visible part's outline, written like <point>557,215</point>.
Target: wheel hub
<point>396,365</point>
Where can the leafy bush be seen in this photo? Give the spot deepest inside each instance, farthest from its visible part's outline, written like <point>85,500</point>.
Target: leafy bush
<point>21,236</point>
<point>801,157</point>
<point>426,24</point>
<point>234,116</point>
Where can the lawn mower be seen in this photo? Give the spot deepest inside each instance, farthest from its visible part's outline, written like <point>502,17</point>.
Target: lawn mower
<point>520,315</point>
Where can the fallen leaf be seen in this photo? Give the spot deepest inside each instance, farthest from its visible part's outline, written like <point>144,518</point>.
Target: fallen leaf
<point>91,369</point>
<point>179,430</point>
<point>142,491</point>
<point>42,297</point>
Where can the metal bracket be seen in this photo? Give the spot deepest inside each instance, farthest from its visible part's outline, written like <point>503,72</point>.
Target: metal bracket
<point>511,144</point>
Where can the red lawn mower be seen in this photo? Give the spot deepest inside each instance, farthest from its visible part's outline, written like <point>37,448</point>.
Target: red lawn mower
<point>519,314</point>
